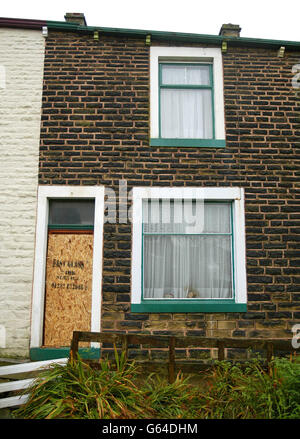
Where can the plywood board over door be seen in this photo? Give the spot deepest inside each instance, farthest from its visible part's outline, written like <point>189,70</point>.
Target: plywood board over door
<point>68,298</point>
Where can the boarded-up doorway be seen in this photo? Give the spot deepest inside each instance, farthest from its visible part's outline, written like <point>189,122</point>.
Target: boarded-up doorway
<point>69,270</point>
<point>68,287</point>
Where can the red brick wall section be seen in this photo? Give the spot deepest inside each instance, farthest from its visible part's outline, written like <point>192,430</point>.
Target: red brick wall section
<point>95,130</point>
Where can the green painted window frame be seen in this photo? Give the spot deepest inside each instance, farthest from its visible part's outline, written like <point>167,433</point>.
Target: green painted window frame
<point>191,305</point>
<point>70,227</point>
<point>187,142</point>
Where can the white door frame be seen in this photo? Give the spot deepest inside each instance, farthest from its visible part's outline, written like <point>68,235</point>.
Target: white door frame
<point>39,276</point>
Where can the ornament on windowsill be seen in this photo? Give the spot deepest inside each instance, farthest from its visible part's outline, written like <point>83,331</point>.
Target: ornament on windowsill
<point>168,295</point>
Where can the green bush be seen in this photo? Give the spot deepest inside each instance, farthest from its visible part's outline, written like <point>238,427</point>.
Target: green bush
<point>170,401</point>
<point>118,390</point>
<point>78,391</point>
<point>248,391</point>
<point>288,374</point>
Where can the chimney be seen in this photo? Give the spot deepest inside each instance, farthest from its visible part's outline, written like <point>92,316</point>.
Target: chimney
<point>76,18</point>
<point>230,30</point>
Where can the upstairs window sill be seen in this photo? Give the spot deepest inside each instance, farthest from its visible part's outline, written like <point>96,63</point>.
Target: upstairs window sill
<point>200,143</point>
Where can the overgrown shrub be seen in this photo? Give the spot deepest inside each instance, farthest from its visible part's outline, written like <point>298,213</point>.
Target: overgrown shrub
<point>118,390</point>
<point>247,391</point>
<point>170,401</point>
<point>78,391</point>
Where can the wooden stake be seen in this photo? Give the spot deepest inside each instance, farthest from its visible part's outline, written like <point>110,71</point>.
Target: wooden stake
<point>74,345</point>
<point>221,350</point>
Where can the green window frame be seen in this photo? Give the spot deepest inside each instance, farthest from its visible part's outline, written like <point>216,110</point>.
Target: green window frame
<point>187,142</point>
<point>191,305</point>
<point>179,86</point>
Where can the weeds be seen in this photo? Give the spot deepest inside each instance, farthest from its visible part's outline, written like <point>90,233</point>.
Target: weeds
<point>170,401</point>
<point>78,391</point>
<point>240,391</point>
<point>250,392</point>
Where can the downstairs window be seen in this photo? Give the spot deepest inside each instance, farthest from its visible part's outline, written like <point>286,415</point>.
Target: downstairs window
<point>189,245</point>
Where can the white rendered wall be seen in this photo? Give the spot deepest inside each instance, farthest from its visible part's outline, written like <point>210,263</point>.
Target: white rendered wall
<point>21,78</point>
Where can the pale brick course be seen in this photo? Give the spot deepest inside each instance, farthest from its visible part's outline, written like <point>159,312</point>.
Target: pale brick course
<point>21,58</point>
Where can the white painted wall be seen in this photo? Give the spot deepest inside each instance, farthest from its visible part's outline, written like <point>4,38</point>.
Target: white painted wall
<point>21,76</point>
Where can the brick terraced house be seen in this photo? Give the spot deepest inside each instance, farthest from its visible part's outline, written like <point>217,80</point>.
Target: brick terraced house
<point>168,188</point>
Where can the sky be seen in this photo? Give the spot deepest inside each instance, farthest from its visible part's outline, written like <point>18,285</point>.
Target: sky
<point>270,19</point>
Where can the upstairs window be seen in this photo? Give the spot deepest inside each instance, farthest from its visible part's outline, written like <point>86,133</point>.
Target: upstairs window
<point>186,101</point>
<point>186,97</point>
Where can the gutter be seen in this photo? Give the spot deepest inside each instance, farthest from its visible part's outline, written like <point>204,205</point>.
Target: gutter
<point>154,34</point>
<point>175,36</point>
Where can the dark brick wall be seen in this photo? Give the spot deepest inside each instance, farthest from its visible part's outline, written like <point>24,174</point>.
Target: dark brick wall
<point>95,130</point>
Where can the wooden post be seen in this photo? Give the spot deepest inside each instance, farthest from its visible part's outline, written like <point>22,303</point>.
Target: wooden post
<point>221,350</point>
<point>74,345</point>
<point>172,360</point>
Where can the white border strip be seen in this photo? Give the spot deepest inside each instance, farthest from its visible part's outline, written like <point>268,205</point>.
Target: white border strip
<point>16,385</point>
<point>13,401</point>
<point>44,194</point>
<point>14,369</point>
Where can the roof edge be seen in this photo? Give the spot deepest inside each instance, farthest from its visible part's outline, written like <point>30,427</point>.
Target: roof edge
<point>22,23</point>
<point>155,34</point>
<point>175,36</point>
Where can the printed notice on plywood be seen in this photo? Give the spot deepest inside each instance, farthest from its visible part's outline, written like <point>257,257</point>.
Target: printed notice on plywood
<point>68,287</point>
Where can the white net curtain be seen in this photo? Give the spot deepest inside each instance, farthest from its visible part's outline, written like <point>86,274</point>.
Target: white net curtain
<point>189,256</point>
<point>186,112</point>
